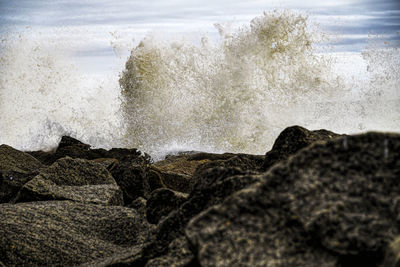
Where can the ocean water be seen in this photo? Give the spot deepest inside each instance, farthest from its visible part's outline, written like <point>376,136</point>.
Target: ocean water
<point>233,94</point>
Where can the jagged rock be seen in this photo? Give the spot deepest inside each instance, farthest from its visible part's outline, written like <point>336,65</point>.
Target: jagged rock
<point>139,204</point>
<point>73,148</point>
<point>107,163</point>
<point>392,258</point>
<point>130,257</point>
<point>291,140</point>
<point>348,193</point>
<point>131,178</point>
<point>174,172</point>
<point>334,203</point>
<point>73,179</point>
<point>161,202</point>
<point>16,168</point>
<point>69,141</point>
<point>178,255</point>
<point>180,172</point>
<point>172,226</point>
<point>55,233</point>
<point>166,179</point>
<point>128,166</point>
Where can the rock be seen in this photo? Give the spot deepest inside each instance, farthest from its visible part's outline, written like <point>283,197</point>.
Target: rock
<point>161,202</point>
<point>73,148</point>
<point>291,140</point>
<point>128,166</point>
<point>55,233</point>
<point>175,173</point>
<point>69,141</point>
<point>166,179</point>
<point>129,257</point>
<point>16,168</point>
<point>180,172</point>
<point>73,179</point>
<point>172,226</point>
<point>131,178</point>
<point>139,205</point>
<point>392,258</point>
<point>333,203</point>
<point>107,163</point>
<point>349,191</point>
<point>178,255</point>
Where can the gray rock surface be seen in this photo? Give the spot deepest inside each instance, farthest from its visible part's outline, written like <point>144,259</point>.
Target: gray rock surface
<point>291,140</point>
<point>16,168</point>
<point>73,179</point>
<point>334,202</point>
<point>161,202</point>
<point>49,233</point>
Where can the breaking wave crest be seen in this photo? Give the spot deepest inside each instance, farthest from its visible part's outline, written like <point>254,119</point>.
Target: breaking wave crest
<point>235,94</point>
<point>44,96</point>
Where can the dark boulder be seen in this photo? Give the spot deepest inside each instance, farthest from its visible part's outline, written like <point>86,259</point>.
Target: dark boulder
<point>73,179</point>
<point>139,204</point>
<point>127,166</point>
<point>69,141</point>
<point>73,148</point>
<point>55,233</point>
<point>173,225</point>
<point>178,255</point>
<point>161,202</point>
<point>16,168</point>
<point>334,203</point>
<point>131,178</point>
<point>392,258</point>
<point>291,140</point>
<point>181,172</point>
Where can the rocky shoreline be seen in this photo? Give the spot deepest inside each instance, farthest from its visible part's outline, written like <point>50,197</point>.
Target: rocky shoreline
<point>316,199</point>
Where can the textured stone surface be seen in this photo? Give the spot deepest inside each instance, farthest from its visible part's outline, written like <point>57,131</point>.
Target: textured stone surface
<point>291,140</point>
<point>73,148</point>
<point>131,178</point>
<point>328,200</point>
<point>50,233</point>
<point>392,258</point>
<point>331,203</point>
<point>172,226</point>
<point>73,179</point>
<point>161,202</point>
<point>178,255</point>
<point>16,168</point>
<point>139,205</point>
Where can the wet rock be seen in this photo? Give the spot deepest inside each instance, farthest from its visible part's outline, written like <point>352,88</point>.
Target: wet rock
<point>107,163</point>
<point>73,179</point>
<point>55,233</point>
<point>16,168</point>
<point>334,203</point>
<point>348,192</point>
<point>175,172</point>
<point>392,258</point>
<point>69,141</point>
<point>166,179</point>
<point>291,140</point>
<point>131,178</point>
<point>73,148</point>
<point>139,204</point>
<point>178,255</point>
<point>172,226</point>
<point>161,202</point>
<point>130,257</point>
<point>181,172</point>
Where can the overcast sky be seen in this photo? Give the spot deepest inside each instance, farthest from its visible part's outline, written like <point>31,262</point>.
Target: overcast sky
<point>86,25</point>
